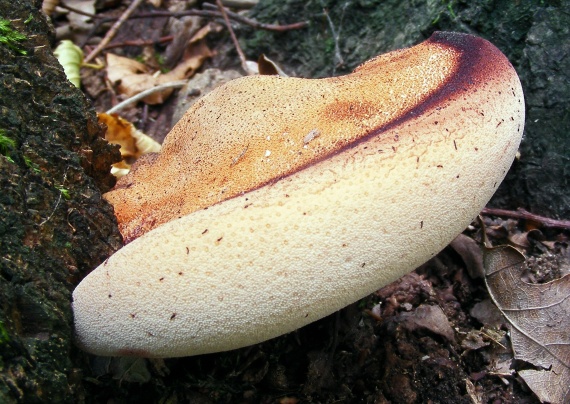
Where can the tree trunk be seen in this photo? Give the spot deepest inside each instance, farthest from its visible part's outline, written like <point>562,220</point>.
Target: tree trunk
<point>54,225</point>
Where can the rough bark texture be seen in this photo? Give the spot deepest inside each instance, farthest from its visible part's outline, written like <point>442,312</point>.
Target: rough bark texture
<point>533,34</point>
<point>54,226</point>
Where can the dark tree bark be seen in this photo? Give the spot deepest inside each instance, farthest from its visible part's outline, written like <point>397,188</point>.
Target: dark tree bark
<point>54,225</point>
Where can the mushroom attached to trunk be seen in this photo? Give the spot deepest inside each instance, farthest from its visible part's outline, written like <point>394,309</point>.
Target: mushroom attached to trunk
<point>277,201</point>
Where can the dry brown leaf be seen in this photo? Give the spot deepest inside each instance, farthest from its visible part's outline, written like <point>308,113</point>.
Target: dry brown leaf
<point>133,142</point>
<point>430,318</point>
<point>133,77</point>
<point>194,59</point>
<point>201,33</point>
<point>539,321</point>
<point>130,76</point>
<point>49,5</point>
<point>476,396</point>
<point>266,66</point>
<point>471,255</point>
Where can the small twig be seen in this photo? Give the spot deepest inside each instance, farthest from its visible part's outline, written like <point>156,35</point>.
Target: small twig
<point>339,61</point>
<point>56,203</point>
<point>257,24</point>
<point>237,158</point>
<point>521,213</point>
<point>233,35</point>
<point>146,93</point>
<point>111,33</point>
<point>140,42</point>
<point>52,212</point>
<point>77,11</point>
<point>203,13</point>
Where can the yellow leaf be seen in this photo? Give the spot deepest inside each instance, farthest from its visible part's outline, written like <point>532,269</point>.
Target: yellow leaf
<point>133,142</point>
<point>70,57</point>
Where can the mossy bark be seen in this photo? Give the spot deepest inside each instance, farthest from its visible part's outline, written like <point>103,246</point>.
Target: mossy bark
<point>534,34</point>
<point>54,225</point>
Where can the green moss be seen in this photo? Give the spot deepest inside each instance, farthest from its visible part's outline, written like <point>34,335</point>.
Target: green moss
<point>64,191</point>
<point>7,144</point>
<point>10,37</point>
<point>4,336</point>
<point>31,165</point>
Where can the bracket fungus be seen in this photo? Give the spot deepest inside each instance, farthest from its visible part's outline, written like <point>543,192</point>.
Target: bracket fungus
<point>277,201</point>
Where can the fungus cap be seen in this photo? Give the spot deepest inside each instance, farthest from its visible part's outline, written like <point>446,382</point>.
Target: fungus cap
<point>301,196</point>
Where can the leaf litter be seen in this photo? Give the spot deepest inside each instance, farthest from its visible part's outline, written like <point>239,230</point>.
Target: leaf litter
<point>538,317</point>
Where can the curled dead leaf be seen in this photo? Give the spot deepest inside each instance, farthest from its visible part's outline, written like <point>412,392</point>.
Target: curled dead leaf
<point>267,66</point>
<point>539,320</point>
<point>470,253</point>
<point>70,56</point>
<point>428,318</point>
<point>133,142</point>
<point>132,77</point>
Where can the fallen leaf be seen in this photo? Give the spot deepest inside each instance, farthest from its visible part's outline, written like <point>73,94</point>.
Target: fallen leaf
<point>520,239</point>
<point>70,56</point>
<point>476,396</point>
<point>471,255</point>
<point>487,313</point>
<point>474,340</point>
<point>266,66</point>
<point>132,77</point>
<point>79,23</point>
<point>133,142</point>
<point>539,320</point>
<point>130,370</point>
<point>428,318</point>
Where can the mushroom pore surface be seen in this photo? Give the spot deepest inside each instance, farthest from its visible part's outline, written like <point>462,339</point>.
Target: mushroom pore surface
<point>277,201</point>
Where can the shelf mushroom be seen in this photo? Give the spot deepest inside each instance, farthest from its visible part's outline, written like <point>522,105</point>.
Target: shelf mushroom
<point>277,201</point>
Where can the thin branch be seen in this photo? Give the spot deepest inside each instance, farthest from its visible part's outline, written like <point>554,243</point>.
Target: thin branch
<point>204,13</point>
<point>521,213</point>
<point>339,61</point>
<point>140,42</point>
<point>47,219</point>
<point>257,24</point>
<point>146,93</point>
<point>77,11</point>
<point>111,33</point>
<point>233,35</point>
<point>53,211</point>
